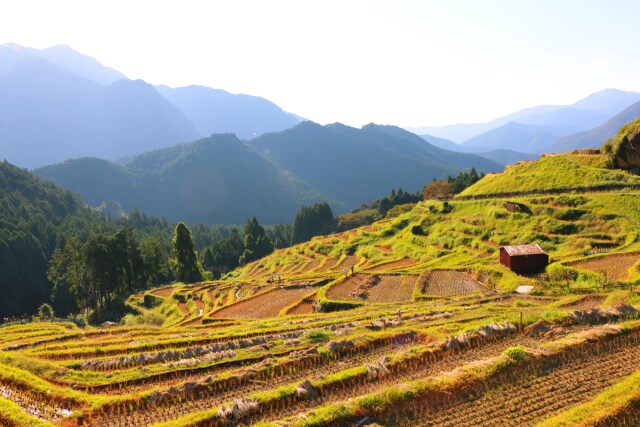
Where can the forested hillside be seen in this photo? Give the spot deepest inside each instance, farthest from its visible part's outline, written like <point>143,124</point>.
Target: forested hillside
<point>216,180</point>
<point>35,216</point>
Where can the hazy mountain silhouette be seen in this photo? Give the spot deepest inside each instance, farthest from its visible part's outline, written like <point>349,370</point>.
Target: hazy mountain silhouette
<point>48,114</point>
<point>62,56</point>
<point>217,111</point>
<point>584,114</point>
<point>513,136</point>
<point>596,137</point>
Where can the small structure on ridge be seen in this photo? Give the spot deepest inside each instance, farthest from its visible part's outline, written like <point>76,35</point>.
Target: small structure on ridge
<point>524,257</point>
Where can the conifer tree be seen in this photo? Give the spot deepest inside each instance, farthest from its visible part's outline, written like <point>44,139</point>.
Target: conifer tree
<point>185,260</point>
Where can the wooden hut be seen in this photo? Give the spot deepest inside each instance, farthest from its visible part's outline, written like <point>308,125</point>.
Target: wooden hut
<point>524,257</point>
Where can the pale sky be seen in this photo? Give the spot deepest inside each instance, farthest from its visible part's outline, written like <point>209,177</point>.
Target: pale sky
<point>402,62</point>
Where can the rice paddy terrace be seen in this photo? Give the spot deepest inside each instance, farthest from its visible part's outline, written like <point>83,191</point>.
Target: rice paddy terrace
<point>410,321</point>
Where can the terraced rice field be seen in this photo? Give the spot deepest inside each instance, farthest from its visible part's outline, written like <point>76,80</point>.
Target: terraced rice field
<point>389,289</point>
<point>447,283</point>
<point>615,266</point>
<point>268,304</point>
<point>393,265</point>
<point>281,370</point>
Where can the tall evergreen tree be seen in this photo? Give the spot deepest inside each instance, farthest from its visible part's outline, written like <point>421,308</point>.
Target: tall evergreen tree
<point>256,242</point>
<point>312,221</point>
<point>185,260</point>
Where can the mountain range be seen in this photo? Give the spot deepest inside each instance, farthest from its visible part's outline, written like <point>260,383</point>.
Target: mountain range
<point>222,179</point>
<point>537,129</point>
<point>57,104</point>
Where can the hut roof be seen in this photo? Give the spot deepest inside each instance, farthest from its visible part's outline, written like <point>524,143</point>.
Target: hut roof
<point>521,250</point>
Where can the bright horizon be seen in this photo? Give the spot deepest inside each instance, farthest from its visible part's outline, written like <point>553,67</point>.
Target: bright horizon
<point>407,63</point>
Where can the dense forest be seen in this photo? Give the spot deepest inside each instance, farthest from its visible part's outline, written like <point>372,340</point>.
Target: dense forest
<point>54,249</point>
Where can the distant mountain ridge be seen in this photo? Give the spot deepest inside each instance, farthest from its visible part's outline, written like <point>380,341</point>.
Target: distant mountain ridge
<point>358,165</point>
<point>218,111</point>
<point>48,114</point>
<point>222,179</point>
<point>598,136</point>
<point>582,115</point>
<point>56,104</point>
<point>62,56</point>
<point>219,179</point>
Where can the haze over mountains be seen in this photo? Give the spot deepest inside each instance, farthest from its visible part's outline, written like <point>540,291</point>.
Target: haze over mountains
<point>537,129</point>
<point>57,104</point>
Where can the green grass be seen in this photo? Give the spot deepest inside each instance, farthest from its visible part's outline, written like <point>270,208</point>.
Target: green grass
<point>12,415</point>
<point>564,172</point>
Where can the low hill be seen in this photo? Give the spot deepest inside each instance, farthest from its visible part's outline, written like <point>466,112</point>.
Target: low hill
<point>501,155</point>
<point>554,173</point>
<point>357,165</point>
<point>218,111</point>
<point>596,137</point>
<point>219,179</point>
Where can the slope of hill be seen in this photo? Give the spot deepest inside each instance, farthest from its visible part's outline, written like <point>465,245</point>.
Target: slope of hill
<point>48,114</point>
<point>32,218</point>
<point>582,115</point>
<point>62,56</point>
<point>554,173</point>
<point>596,137</point>
<point>507,157</point>
<point>513,136</point>
<point>357,165</point>
<point>219,179</point>
<point>217,111</point>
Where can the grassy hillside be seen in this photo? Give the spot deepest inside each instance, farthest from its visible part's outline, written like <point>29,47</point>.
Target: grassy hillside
<point>554,173</point>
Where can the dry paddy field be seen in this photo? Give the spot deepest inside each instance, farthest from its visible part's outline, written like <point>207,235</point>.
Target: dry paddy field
<point>267,304</point>
<point>462,367</point>
<point>374,288</point>
<point>615,266</point>
<point>447,283</point>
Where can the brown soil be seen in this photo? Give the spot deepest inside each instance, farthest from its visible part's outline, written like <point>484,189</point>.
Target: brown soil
<point>305,307</point>
<point>446,283</point>
<point>389,289</point>
<point>164,292</point>
<point>616,266</point>
<point>266,305</point>
<point>531,395</point>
